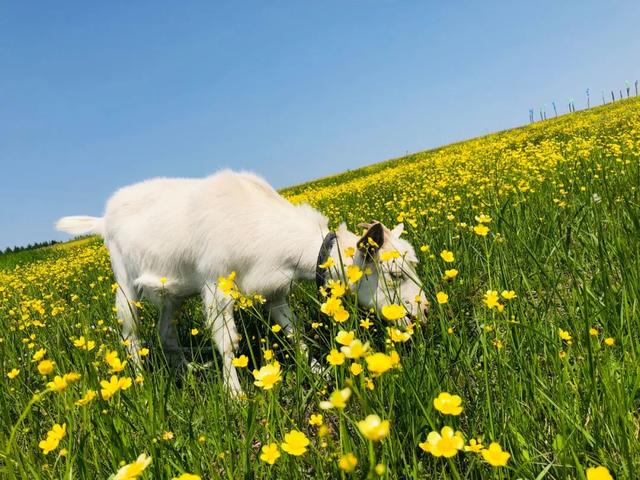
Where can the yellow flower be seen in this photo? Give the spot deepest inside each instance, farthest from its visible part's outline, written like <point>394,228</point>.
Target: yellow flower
<point>450,274</point>
<point>194,331</point>
<point>495,456</point>
<point>333,308</point>
<point>348,462</point>
<point>354,273</point>
<point>349,252</point>
<point>13,373</point>
<point>482,218</point>
<point>316,419</point>
<point>355,349</point>
<point>397,335</point>
<point>143,352</point>
<point>134,469</point>
<point>90,395</point>
<point>598,473</point>
<point>328,264</point>
<point>276,328</point>
<point>187,476</point>
<point>267,376</point>
<point>609,341</point>
<point>380,469</point>
<point>481,230</point>
<point>270,453</point>
<point>443,444</point>
<point>508,294</point>
<point>389,255</point>
<point>393,312</point>
<point>442,297</point>
<point>163,280</point>
<point>45,367</point>
<point>295,443</point>
<point>593,332</point>
<point>111,387</point>
<point>365,323</point>
<point>39,355</point>
<point>447,256</point>
<point>335,357</point>
<point>58,384</point>
<point>491,299</point>
<point>268,354</point>
<point>338,289</point>
<point>565,335</point>
<point>167,435</point>
<point>241,362</point>
<point>227,284</point>
<point>474,446</point>
<point>345,338</point>
<point>355,369</point>
<point>373,428</point>
<point>378,363</point>
<point>54,436</point>
<point>448,404</point>
<point>338,399</point>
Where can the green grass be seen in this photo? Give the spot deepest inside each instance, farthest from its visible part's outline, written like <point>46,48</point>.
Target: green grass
<point>573,259</point>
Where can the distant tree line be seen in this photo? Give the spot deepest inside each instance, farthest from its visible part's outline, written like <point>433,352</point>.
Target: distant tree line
<point>31,246</point>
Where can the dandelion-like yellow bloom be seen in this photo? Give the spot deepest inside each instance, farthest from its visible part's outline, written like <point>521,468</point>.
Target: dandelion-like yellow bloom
<point>442,298</point>
<point>338,399</point>
<point>448,404</point>
<point>374,428</point>
<point>45,367</point>
<point>447,443</point>
<point>187,476</point>
<point>345,338</point>
<point>355,349</point>
<point>335,357</point>
<point>378,363</point>
<point>270,453</point>
<point>54,436</point>
<point>13,373</point>
<point>241,362</point>
<point>599,473</point>
<point>267,376</point>
<point>447,256</point>
<point>495,456</point>
<point>295,443</point>
<point>88,397</point>
<point>348,462</point>
<point>394,312</point>
<point>134,469</point>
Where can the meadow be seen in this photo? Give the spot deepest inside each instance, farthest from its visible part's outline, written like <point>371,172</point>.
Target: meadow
<point>528,365</point>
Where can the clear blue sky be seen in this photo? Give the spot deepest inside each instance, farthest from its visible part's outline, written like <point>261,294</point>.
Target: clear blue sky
<point>97,95</point>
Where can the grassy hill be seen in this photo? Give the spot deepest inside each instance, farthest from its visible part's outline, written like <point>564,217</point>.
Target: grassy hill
<point>529,246</point>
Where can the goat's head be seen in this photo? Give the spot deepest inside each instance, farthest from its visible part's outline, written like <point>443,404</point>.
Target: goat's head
<point>388,265</point>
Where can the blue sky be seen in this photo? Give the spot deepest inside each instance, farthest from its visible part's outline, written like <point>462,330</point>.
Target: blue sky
<point>97,95</point>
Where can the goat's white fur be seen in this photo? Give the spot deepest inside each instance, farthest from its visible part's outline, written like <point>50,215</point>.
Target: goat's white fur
<point>192,231</point>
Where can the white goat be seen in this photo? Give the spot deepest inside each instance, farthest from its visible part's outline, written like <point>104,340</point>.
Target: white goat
<point>193,231</point>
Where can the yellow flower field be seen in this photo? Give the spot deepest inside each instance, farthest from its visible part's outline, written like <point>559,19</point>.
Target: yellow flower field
<point>528,365</point>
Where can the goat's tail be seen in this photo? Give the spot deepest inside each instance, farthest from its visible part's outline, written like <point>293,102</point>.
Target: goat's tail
<point>81,225</point>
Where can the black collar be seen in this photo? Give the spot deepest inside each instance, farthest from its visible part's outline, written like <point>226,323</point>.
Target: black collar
<point>323,256</point>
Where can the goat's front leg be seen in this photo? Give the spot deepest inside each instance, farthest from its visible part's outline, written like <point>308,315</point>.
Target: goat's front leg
<point>218,310</point>
<point>280,311</point>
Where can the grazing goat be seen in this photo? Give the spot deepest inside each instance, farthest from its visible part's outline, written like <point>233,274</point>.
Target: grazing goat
<point>172,238</point>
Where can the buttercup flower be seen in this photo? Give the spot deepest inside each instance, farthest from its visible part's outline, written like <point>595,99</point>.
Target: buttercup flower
<point>448,404</point>
<point>443,444</point>
<point>295,443</point>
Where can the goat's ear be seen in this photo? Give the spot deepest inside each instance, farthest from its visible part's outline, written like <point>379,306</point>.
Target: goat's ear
<point>397,230</point>
<point>372,240</point>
